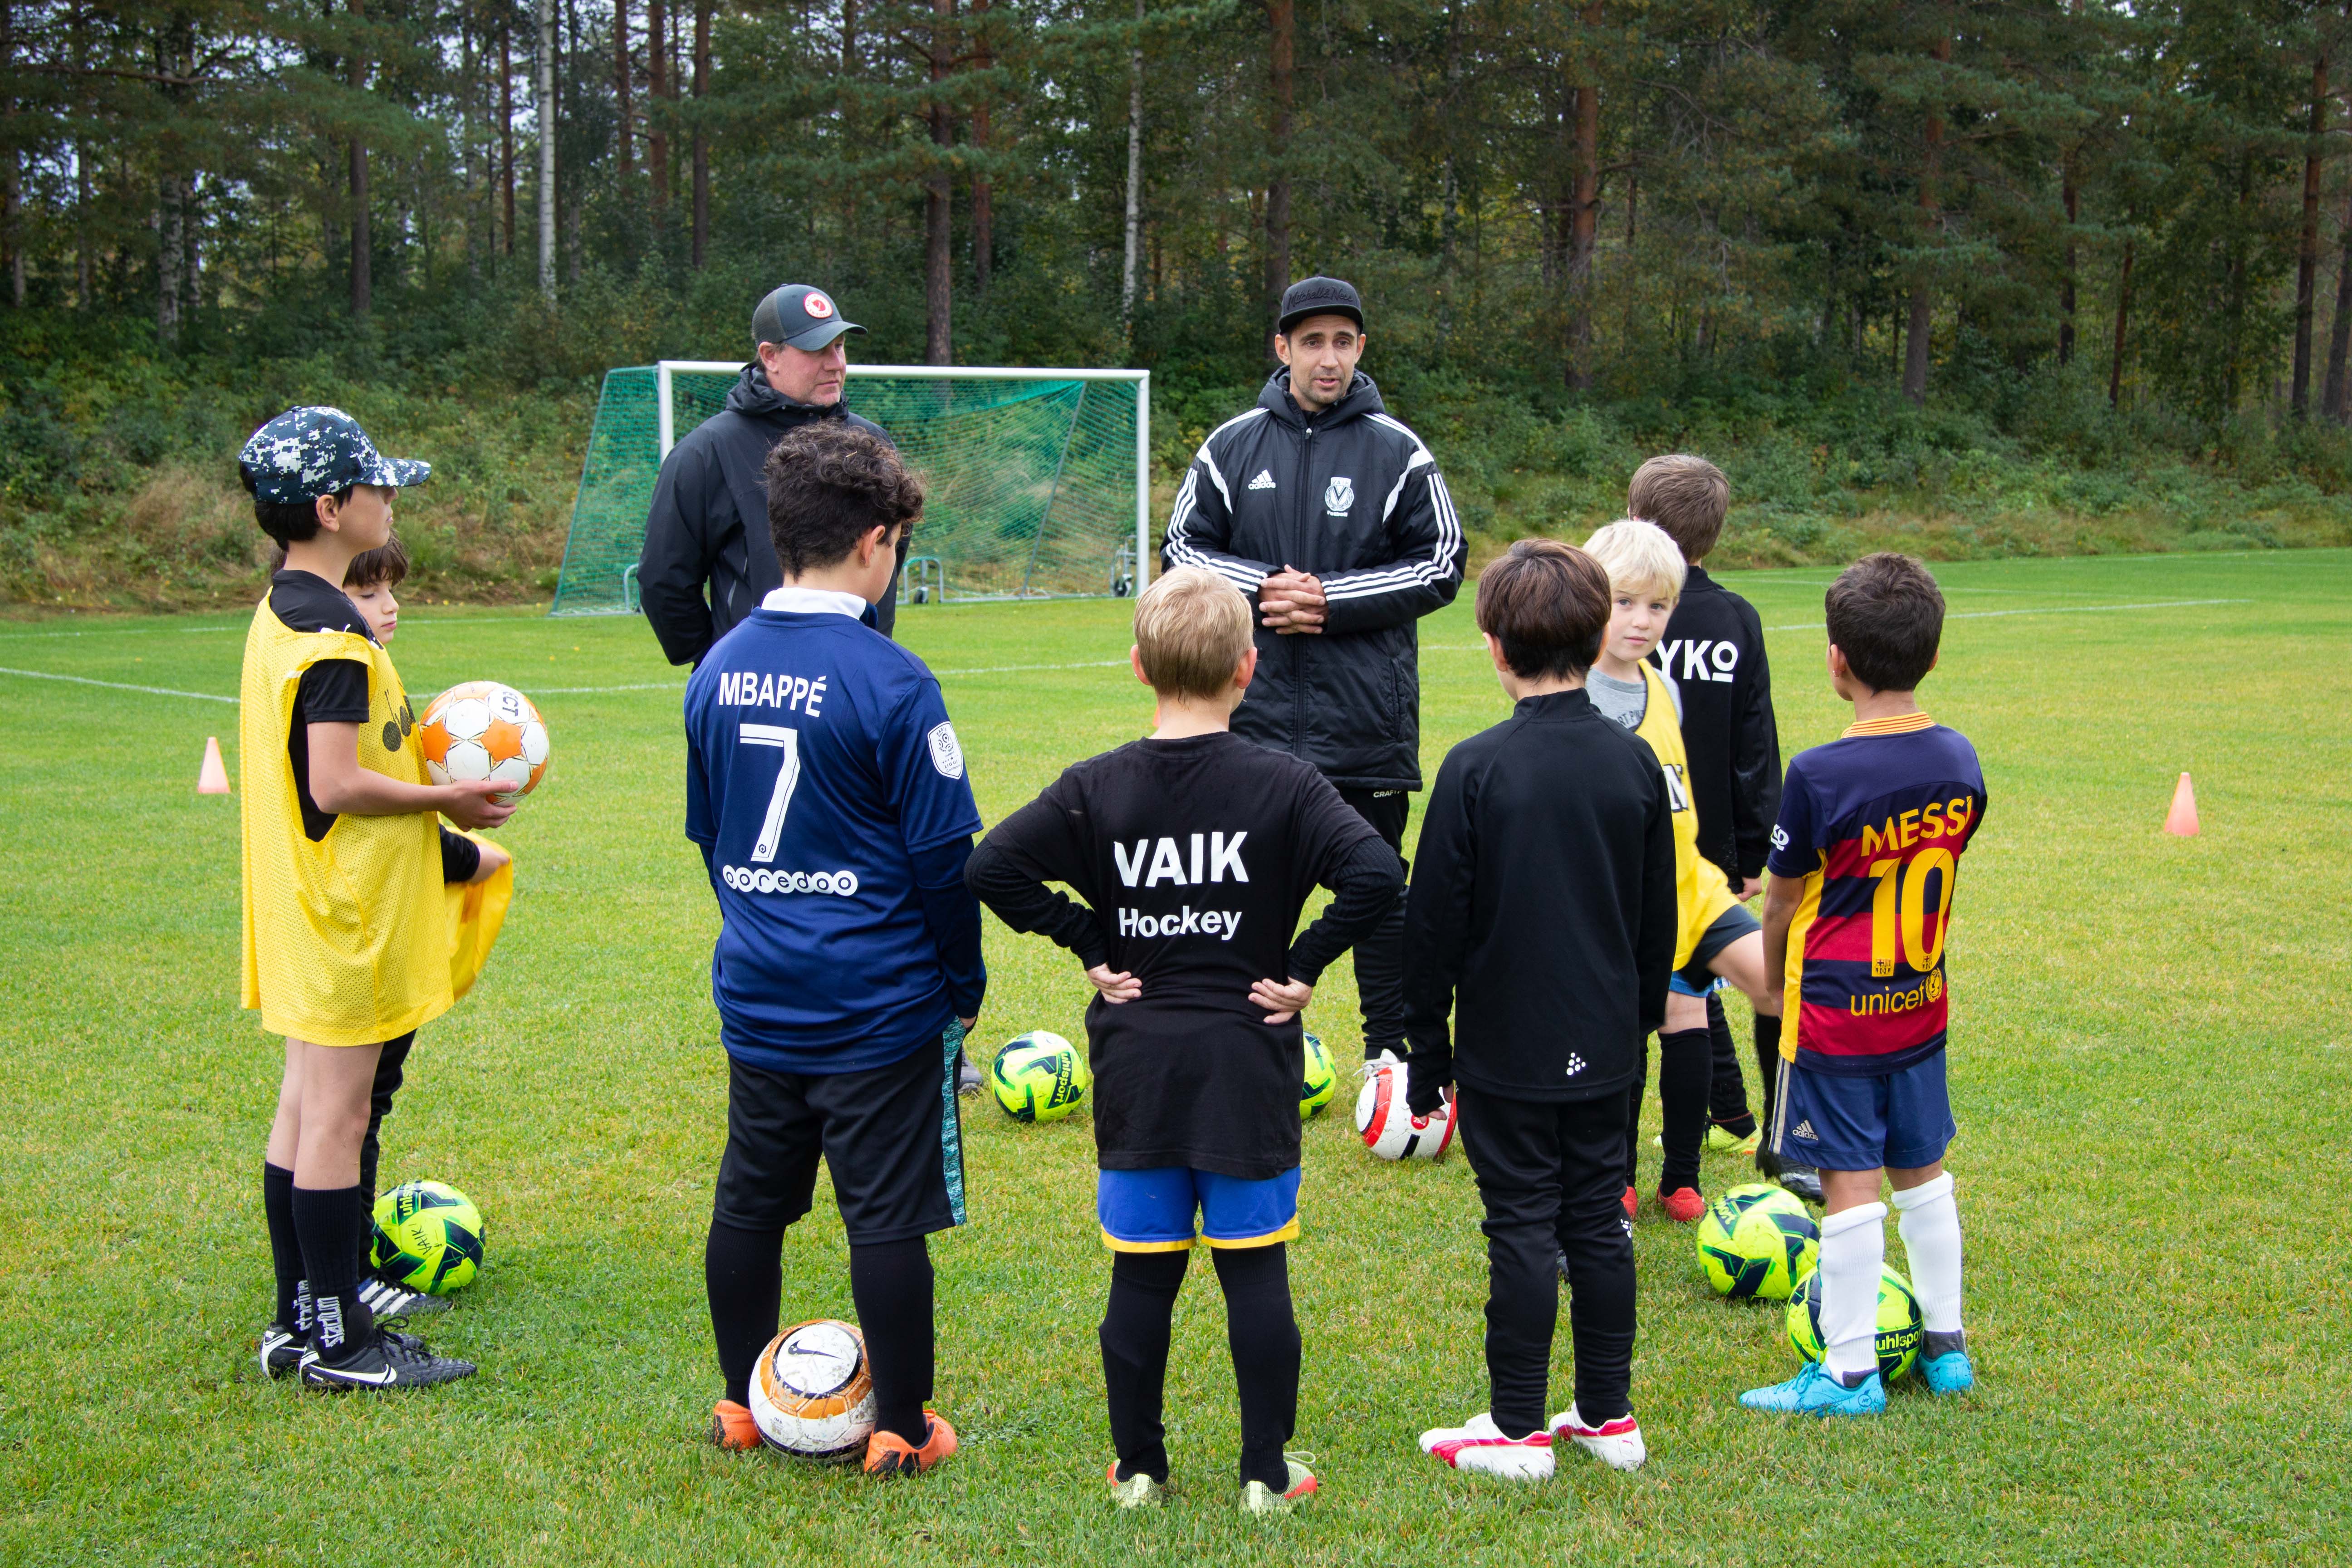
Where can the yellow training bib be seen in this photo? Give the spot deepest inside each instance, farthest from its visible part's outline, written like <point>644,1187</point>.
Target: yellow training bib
<point>347,941</point>
<point>1701,893</point>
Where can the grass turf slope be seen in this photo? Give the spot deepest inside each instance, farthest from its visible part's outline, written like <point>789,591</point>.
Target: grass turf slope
<point>2151,1072</point>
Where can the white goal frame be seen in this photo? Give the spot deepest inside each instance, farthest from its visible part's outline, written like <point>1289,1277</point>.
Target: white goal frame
<point>664,369</point>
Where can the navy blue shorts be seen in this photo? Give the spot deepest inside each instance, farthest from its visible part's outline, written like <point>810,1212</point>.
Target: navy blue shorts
<point>1900,1120</point>
<point>1152,1210</point>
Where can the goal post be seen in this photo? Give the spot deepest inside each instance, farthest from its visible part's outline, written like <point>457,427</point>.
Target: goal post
<point>1038,480</point>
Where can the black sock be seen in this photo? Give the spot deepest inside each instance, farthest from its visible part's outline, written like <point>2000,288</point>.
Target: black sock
<point>1264,1337</point>
<point>389,1062</point>
<point>1726,1094</point>
<point>891,1283</point>
<point>1134,1335</point>
<point>1767,1060</point>
<point>331,1225</point>
<point>1937,1344</point>
<point>743,1271</point>
<point>285,1247</point>
<point>1683,1067</point>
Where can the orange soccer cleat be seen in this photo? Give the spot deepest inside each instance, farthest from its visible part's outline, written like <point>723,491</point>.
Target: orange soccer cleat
<point>887,1454</point>
<point>732,1426</point>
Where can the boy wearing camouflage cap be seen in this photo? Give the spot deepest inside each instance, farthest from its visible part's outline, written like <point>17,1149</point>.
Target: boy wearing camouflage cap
<point>346,945</point>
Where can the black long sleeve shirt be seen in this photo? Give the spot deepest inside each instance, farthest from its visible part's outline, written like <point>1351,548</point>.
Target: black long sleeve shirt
<point>1542,914</point>
<point>1714,648</point>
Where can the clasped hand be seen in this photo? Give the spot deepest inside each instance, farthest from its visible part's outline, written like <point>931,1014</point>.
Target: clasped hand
<point>1291,600</point>
<point>1283,1000</point>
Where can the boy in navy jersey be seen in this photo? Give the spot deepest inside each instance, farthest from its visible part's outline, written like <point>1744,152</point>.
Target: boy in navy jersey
<point>1195,851</point>
<point>1871,829</point>
<point>828,792</point>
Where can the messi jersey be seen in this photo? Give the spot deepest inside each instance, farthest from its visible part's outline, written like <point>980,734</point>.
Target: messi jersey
<point>820,762</point>
<point>1875,823</point>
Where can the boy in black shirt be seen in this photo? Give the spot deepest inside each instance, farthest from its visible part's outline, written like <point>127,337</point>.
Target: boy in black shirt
<point>1544,903</point>
<point>1193,852</point>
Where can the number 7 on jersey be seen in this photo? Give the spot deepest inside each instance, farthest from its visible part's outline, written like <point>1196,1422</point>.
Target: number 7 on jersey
<point>772,826</point>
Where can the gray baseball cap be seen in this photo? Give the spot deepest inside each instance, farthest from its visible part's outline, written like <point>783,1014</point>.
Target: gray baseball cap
<point>798,316</point>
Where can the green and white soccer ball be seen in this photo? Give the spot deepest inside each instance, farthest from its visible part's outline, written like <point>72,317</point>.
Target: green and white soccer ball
<point>1318,1082</point>
<point>1039,1076</point>
<point>428,1236</point>
<point>1900,1326</point>
<point>1758,1240</point>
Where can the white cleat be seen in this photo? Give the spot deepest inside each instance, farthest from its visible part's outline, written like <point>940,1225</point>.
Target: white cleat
<point>1616,1444</point>
<point>1480,1445</point>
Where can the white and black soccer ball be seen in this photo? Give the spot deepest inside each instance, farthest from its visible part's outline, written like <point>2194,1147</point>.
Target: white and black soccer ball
<point>813,1394</point>
<point>1390,1129</point>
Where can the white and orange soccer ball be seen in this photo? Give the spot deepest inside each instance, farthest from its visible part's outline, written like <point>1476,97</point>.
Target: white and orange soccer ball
<point>482,729</point>
<point>1391,1129</point>
<point>812,1394</point>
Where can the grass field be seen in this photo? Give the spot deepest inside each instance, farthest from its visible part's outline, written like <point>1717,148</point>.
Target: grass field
<point>2153,1081</point>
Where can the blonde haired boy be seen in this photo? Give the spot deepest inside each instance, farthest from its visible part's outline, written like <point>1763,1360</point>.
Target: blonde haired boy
<point>1193,852</point>
<point>1717,938</point>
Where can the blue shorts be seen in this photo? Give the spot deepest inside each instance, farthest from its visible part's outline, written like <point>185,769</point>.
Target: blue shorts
<point>1900,1120</point>
<point>1151,1211</point>
<point>1695,978</point>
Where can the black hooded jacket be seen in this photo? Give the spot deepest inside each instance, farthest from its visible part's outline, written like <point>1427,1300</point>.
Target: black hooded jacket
<point>709,520</point>
<point>1354,498</point>
<point>1714,648</point>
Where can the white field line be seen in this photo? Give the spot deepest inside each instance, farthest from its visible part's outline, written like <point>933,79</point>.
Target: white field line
<point>115,685</point>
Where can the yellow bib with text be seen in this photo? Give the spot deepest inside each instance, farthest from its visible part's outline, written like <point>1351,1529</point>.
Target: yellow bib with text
<point>1701,894</point>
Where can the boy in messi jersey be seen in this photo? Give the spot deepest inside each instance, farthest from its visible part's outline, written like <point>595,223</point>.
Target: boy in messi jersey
<point>1195,851</point>
<point>1863,862</point>
<point>347,945</point>
<point>1717,940</point>
<point>826,790</point>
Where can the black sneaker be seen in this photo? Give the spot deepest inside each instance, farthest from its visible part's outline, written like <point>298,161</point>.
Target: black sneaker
<point>967,1076</point>
<point>281,1350</point>
<point>394,1360</point>
<point>1803,1181</point>
<point>387,1297</point>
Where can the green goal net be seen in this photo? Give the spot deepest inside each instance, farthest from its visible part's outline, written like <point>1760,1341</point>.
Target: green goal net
<point>1035,479</point>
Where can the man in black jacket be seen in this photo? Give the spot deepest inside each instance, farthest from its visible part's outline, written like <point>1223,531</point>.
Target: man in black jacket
<point>708,527</point>
<point>1332,517</point>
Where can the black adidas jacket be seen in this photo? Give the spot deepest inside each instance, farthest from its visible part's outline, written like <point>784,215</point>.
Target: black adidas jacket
<point>1542,914</point>
<point>1714,648</point>
<point>708,490</point>
<point>1354,498</point>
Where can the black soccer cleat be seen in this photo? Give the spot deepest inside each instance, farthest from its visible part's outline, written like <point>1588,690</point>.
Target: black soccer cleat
<point>394,1360</point>
<point>1803,1181</point>
<point>281,1350</point>
<point>387,1297</point>
<point>968,1079</point>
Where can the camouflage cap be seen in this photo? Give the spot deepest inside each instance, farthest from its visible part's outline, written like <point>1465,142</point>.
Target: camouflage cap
<point>308,452</point>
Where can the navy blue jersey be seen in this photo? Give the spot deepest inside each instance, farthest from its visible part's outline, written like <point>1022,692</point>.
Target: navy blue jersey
<point>821,776</point>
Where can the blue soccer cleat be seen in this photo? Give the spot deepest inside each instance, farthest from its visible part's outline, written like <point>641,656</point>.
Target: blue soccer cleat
<point>1813,1391</point>
<point>1951,1373</point>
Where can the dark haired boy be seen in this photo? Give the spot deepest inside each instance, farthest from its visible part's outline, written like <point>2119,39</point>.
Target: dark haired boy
<point>1543,917</point>
<point>1863,862</point>
<point>1714,648</point>
<point>825,788</point>
<point>346,941</point>
<point>1195,851</point>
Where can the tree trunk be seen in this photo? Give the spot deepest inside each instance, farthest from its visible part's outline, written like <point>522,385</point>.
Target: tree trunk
<point>11,175</point>
<point>1923,299</point>
<point>657,92</point>
<point>1282,23</point>
<point>171,265</point>
<point>1135,178</point>
<point>363,231</point>
<point>2306,264</point>
<point>2123,324</point>
<point>82,281</point>
<point>547,115</point>
<point>849,115</point>
<point>2072,199</point>
<point>2333,400</point>
<point>702,136</point>
<point>621,74</point>
<point>506,127</point>
<point>1584,214</point>
<point>937,229</point>
<point>983,205</point>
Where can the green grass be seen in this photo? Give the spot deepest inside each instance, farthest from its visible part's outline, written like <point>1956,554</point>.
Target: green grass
<point>2152,1076</point>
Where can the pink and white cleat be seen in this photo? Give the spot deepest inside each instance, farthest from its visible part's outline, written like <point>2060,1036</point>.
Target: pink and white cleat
<point>1481,1446</point>
<point>1616,1444</point>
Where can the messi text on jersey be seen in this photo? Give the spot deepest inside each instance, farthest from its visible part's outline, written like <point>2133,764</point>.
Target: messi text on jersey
<point>754,689</point>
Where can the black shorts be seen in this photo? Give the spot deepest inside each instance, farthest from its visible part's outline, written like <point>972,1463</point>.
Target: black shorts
<point>891,1136</point>
<point>1728,928</point>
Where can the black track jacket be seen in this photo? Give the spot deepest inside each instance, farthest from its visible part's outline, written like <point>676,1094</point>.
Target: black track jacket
<point>1542,911</point>
<point>709,520</point>
<point>1354,498</point>
<point>1713,647</point>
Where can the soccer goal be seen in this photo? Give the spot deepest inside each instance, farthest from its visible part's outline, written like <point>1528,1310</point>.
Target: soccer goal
<point>1038,481</point>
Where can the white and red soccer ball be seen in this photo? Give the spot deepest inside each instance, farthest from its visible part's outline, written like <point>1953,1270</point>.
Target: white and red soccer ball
<point>1390,1129</point>
<point>482,729</point>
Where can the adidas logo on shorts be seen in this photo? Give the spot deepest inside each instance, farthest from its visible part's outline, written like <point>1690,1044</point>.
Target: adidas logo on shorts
<point>1805,1129</point>
<point>1264,480</point>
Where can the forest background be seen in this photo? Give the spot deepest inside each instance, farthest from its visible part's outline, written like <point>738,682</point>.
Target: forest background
<point>2013,277</point>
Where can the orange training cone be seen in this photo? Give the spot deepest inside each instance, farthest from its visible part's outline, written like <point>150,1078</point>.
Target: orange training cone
<point>2181,820</point>
<point>213,778</point>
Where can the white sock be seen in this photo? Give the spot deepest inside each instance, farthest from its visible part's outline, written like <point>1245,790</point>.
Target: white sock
<point>1931,1223</point>
<point>1853,1249</point>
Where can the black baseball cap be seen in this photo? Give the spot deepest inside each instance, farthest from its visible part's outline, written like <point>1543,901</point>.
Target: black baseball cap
<point>798,316</point>
<point>1320,296</point>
